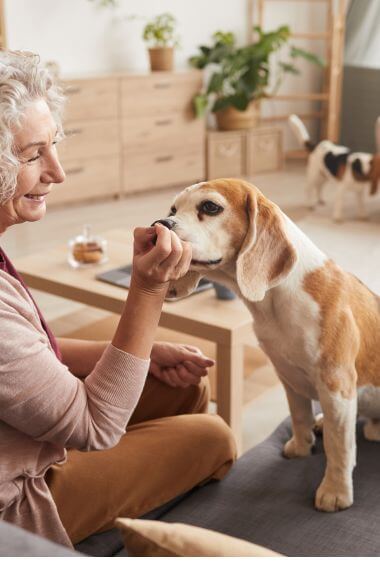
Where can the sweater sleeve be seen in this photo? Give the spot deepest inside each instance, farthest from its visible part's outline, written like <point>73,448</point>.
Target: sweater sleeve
<point>40,397</point>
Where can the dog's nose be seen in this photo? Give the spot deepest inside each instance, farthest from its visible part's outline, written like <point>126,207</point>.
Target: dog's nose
<point>168,223</point>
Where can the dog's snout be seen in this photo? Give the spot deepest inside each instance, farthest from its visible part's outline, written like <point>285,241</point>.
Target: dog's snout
<point>167,222</point>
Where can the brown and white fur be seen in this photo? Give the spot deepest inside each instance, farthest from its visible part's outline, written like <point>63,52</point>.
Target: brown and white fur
<point>351,171</point>
<point>319,326</point>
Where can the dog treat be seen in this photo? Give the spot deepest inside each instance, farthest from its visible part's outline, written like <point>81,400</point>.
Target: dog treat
<point>88,252</point>
<point>86,249</point>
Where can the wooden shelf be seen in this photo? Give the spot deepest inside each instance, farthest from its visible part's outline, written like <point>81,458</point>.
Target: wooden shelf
<point>333,36</point>
<point>301,97</point>
<point>302,116</point>
<point>310,36</point>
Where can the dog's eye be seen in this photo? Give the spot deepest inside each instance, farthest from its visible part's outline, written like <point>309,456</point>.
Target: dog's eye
<point>173,211</point>
<point>210,208</point>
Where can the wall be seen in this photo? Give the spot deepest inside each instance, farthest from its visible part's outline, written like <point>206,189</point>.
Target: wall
<point>86,39</point>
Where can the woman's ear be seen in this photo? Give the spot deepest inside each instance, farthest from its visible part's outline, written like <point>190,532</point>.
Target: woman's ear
<point>266,256</point>
<point>184,286</point>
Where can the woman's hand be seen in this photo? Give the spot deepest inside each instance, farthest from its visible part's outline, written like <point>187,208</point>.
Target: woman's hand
<point>178,365</point>
<point>159,256</point>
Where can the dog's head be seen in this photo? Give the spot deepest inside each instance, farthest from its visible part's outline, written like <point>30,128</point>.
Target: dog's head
<point>230,223</point>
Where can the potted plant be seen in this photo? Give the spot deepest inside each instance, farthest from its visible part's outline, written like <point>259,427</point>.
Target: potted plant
<point>159,34</point>
<point>241,76</point>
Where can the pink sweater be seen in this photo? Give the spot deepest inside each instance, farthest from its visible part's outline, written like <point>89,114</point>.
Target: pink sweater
<point>44,409</point>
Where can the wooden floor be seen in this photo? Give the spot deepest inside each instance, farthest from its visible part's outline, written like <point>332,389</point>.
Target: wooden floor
<point>67,318</point>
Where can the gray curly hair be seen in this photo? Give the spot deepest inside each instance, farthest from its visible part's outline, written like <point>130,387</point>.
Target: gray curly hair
<point>22,80</point>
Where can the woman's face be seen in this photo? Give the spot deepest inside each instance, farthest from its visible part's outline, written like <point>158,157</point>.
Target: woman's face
<point>39,167</point>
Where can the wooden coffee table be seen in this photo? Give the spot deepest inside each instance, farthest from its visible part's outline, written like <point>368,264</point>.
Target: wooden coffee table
<point>226,323</point>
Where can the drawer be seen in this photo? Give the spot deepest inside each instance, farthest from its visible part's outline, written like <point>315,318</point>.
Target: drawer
<point>88,139</point>
<point>88,99</point>
<point>158,93</point>
<point>225,155</point>
<point>152,133</point>
<point>264,152</point>
<point>86,179</point>
<point>166,168</point>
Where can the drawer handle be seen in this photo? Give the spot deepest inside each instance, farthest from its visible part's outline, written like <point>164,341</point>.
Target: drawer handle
<point>77,170</point>
<point>266,144</point>
<point>163,122</point>
<point>71,132</point>
<point>228,149</point>
<point>164,158</point>
<point>72,90</point>
<point>162,85</point>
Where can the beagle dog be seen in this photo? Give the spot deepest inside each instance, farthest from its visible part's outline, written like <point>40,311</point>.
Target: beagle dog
<point>351,171</point>
<point>319,325</point>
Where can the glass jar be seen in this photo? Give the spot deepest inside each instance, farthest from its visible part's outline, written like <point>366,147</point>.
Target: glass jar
<point>86,249</point>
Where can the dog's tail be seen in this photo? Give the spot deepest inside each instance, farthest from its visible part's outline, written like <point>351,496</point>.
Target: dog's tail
<point>301,132</point>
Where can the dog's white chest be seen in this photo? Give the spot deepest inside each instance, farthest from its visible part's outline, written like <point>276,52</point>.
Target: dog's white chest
<point>289,335</point>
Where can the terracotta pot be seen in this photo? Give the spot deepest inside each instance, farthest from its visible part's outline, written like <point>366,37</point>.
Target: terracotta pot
<point>161,58</point>
<point>230,119</point>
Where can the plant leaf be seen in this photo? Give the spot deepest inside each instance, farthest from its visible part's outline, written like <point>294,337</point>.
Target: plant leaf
<point>312,57</point>
<point>200,103</point>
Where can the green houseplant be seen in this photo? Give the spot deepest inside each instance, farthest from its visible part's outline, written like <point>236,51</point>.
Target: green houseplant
<point>241,76</point>
<point>160,36</point>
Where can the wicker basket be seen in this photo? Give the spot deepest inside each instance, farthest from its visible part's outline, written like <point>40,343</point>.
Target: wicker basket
<point>230,119</point>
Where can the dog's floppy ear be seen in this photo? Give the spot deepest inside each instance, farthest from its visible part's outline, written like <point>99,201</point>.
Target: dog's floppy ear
<point>266,256</point>
<point>184,286</point>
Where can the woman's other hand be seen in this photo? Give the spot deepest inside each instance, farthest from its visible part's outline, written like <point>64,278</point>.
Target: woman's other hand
<point>178,365</point>
<point>159,256</point>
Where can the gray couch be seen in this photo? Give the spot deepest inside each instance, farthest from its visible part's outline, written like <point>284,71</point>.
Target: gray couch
<point>265,499</point>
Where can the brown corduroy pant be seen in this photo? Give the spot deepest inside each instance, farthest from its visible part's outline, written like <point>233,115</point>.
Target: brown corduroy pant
<point>171,445</point>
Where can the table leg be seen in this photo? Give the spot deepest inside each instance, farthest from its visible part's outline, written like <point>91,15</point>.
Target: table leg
<point>229,387</point>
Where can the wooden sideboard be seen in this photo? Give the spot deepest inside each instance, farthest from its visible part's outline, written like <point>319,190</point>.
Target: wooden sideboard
<point>130,133</point>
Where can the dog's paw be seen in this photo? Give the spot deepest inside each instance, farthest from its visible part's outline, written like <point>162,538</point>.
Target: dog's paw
<point>330,499</point>
<point>294,448</point>
<point>318,425</point>
<point>371,430</point>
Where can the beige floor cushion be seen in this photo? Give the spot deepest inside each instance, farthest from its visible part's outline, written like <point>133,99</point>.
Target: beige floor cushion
<point>155,538</point>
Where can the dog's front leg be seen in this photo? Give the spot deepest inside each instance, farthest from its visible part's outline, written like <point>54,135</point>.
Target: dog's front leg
<point>302,441</point>
<point>338,205</point>
<point>339,423</point>
<point>360,200</point>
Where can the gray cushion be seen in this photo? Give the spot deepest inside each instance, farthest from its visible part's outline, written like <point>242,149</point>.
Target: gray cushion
<point>15,541</point>
<point>268,499</point>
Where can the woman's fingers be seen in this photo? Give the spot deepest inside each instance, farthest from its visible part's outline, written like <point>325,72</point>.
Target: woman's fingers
<point>175,378</point>
<point>143,239</point>
<point>184,263</point>
<point>195,369</point>
<point>175,255</point>
<point>166,378</point>
<point>186,376</point>
<point>163,247</point>
<point>158,261</point>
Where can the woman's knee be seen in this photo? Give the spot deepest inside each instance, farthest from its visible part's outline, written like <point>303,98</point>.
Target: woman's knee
<point>201,396</point>
<point>196,398</point>
<point>217,439</point>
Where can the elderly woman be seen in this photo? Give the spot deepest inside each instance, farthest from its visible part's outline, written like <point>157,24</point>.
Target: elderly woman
<point>58,394</point>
